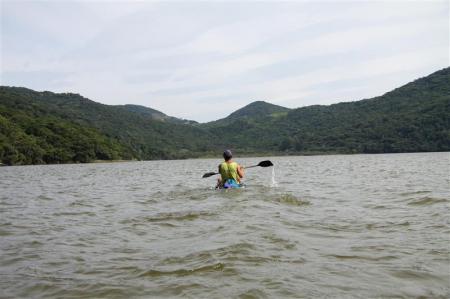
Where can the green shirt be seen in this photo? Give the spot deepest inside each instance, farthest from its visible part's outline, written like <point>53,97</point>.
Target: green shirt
<point>229,171</point>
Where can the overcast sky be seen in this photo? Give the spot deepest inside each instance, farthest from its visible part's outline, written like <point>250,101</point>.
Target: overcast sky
<point>203,60</point>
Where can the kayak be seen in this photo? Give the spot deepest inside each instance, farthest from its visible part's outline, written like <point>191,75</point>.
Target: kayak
<point>231,184</point>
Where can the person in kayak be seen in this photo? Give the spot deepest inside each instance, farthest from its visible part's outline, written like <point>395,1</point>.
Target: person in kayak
<point>231,172</point>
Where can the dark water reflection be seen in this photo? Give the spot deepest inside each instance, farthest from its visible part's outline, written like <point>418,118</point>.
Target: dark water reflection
<point>360,226</point>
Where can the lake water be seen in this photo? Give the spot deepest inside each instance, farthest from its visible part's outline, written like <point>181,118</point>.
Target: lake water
<point>358,226</point>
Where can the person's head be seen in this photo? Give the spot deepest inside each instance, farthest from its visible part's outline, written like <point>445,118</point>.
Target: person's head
<point>227,155</point>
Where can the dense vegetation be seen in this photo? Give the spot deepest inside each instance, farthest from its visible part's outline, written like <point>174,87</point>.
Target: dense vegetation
<point>155,114</point>
<point>412,118</point>
<point>256,111</point>
<point>44,127</point>
<point>29,140</point>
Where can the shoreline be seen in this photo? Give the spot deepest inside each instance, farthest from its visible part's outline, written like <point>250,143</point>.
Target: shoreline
<point>218,156</point>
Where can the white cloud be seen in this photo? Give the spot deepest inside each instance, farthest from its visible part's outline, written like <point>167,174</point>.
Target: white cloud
<point>201,60</point>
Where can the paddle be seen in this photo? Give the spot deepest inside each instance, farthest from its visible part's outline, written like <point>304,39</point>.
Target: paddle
<point>266,163</point>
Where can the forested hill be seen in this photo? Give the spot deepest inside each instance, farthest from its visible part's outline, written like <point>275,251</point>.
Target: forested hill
<point>254,110</point>
<point>45,127</point>
<point>155,114</point>
<point>412,118</point>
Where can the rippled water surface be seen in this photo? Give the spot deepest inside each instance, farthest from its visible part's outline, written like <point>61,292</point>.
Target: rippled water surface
<point>359,226</point>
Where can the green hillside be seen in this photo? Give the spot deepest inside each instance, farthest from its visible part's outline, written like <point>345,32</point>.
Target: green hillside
<point>45,127</point>
<point>155,114</point>
<point>152,113</point>
<point>411,118</point>
<point>254,111</point>
<point>41,124</point>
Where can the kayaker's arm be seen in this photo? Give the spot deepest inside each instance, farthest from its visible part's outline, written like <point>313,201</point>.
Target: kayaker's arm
<point>240,171</point>
<point>219,179</point>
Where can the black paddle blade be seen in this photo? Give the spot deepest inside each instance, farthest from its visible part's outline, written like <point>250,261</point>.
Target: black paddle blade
<point>266,163</point>
<point>208,174</point>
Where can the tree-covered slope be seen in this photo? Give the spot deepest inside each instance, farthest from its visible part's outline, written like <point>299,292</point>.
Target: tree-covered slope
<point>27,139</point>
<point>411,118</point>
<point>135,135</point>
<point>254,111</point>
<point>152,113</point>
<point>155,114</point>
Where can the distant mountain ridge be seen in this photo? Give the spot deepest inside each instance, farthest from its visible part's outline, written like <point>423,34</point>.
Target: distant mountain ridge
<point>44,127</point>
<point>145,111</point>
<point>155,114</point>
<point>254,110</point>
<point>257,109</point>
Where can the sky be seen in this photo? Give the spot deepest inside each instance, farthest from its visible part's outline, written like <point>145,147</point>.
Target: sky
<point>203,60</point>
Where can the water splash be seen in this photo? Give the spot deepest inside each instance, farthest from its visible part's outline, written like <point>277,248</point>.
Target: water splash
<point>274,182</point>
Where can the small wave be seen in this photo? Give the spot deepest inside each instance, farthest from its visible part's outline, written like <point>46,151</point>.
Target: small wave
<point>425,201</point>
<point>34,243</point>
<point>162,218</point>
<point>7,261</point>
<point>146,201</point>
<point>286,244</point>
<point>4,233</point>
<point>88,213</point>
<point>183,272</point>
<point>4,202</point>
<point>178,216</point>
<point>342,227</point>
<point>230,253</point>
<point>167,224</point>
<point>189,194</point>
<point>80,203</point>
<point>252,293</point>
<point>386,225</point>
<point>415,275</point>
<point>360,257</point>
<point>415,193</point>
<point>43,197</point>
<point>94,290</point>
<point>290,199</point>
<point>378,207</point>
